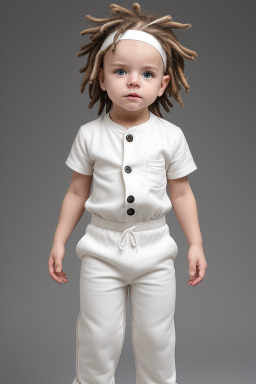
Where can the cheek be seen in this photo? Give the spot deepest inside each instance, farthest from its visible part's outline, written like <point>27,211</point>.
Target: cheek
<point>111,85</point>
<point>115,84</point>
<point>153,86</point>
<point>112,88</point>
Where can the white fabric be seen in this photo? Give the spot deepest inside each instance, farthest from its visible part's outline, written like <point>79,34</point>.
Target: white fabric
<point>107,275</point>
<point>128,231</point>
<point>158,151</point>
<point>123,239</point>
<point>112,262</point>
<point>132,34</point>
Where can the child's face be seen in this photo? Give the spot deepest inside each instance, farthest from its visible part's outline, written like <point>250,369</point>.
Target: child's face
<point>129,70</point>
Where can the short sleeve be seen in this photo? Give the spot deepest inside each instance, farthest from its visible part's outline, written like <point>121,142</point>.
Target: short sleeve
<point>182,162</point>
<point>78,158</point>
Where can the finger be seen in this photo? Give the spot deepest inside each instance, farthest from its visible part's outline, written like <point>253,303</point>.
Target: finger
<point>63,280</point>
<point>197,281</point>
<point>202,270</point>
<point>192,269</point>
<point>58,266</point>
<point>52,272</point>
<point>191,279</point>
<point>55,277</point>
<point>62,275</point>
<point>50,265</point>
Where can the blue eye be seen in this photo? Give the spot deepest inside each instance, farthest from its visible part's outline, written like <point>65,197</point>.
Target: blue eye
<point>120,70</point>
<point>149,73</point>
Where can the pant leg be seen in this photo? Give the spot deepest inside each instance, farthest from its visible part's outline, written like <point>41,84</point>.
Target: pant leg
<point>102,317</point>
<point>153,296</point>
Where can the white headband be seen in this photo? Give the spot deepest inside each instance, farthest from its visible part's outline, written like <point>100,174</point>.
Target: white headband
<point>133,34</point>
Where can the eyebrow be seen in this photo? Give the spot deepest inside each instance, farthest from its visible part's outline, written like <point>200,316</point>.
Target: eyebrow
<point>144,66</point>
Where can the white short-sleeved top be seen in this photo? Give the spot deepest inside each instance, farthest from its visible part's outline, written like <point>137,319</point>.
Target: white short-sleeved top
<point>130,167</point>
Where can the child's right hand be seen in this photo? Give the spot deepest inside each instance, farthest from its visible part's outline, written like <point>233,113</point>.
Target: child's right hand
<point>55,262</point>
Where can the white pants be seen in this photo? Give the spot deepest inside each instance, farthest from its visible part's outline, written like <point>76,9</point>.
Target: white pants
<point>113,257</point>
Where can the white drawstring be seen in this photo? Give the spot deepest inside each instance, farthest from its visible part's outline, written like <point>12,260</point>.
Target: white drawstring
<point>123,240</point>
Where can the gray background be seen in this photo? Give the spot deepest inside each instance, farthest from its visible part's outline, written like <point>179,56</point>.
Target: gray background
<point>42,111</point>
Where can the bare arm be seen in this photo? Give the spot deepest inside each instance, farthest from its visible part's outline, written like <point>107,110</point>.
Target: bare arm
<point>71,211</point>
<point>185,209</point>
<point>73,206</point>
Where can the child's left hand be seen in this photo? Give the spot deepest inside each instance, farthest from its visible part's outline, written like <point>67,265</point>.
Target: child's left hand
<point>197,264</point>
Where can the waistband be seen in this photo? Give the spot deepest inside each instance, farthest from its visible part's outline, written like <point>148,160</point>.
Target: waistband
<point>121,226</point>
<point>128,229</point>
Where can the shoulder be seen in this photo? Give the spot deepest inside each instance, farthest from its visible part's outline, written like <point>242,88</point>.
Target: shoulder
<point>169,129</point>
<point>91,127</point>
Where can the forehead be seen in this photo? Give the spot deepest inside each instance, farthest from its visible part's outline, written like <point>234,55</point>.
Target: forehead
<point>141,53</point>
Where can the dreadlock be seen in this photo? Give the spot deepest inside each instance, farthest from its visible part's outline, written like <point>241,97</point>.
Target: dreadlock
<point>122,20</point>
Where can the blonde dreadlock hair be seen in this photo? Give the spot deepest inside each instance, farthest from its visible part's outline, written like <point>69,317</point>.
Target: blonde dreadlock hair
<point>122,20</point>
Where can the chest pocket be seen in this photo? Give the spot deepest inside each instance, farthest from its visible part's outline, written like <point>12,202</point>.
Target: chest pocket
<point>155,172</point>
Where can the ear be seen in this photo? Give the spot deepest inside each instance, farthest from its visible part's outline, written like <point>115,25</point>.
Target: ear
<point>101,79</point>
<point>165,81</point>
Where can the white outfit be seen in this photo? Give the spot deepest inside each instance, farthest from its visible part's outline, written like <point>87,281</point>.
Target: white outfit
<point>128,244</point>
<point>152,150</point>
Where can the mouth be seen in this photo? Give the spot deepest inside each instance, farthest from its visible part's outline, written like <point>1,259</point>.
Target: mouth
<point>133,96</point>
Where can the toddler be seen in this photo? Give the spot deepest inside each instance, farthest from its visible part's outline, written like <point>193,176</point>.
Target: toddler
<point>130,154</point>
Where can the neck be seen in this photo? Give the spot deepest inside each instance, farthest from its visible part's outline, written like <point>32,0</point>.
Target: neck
<point>129,118</point>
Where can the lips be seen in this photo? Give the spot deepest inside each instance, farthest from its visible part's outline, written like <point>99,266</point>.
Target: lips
<point>133,95</point>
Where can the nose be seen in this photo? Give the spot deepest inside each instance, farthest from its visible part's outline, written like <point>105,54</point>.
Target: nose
<point>134,79</point>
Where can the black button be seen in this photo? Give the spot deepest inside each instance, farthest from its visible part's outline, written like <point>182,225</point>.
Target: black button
<point>129,137</point>
<point>130,199</point>
<point>130,211</point>
<point>127,169</point>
